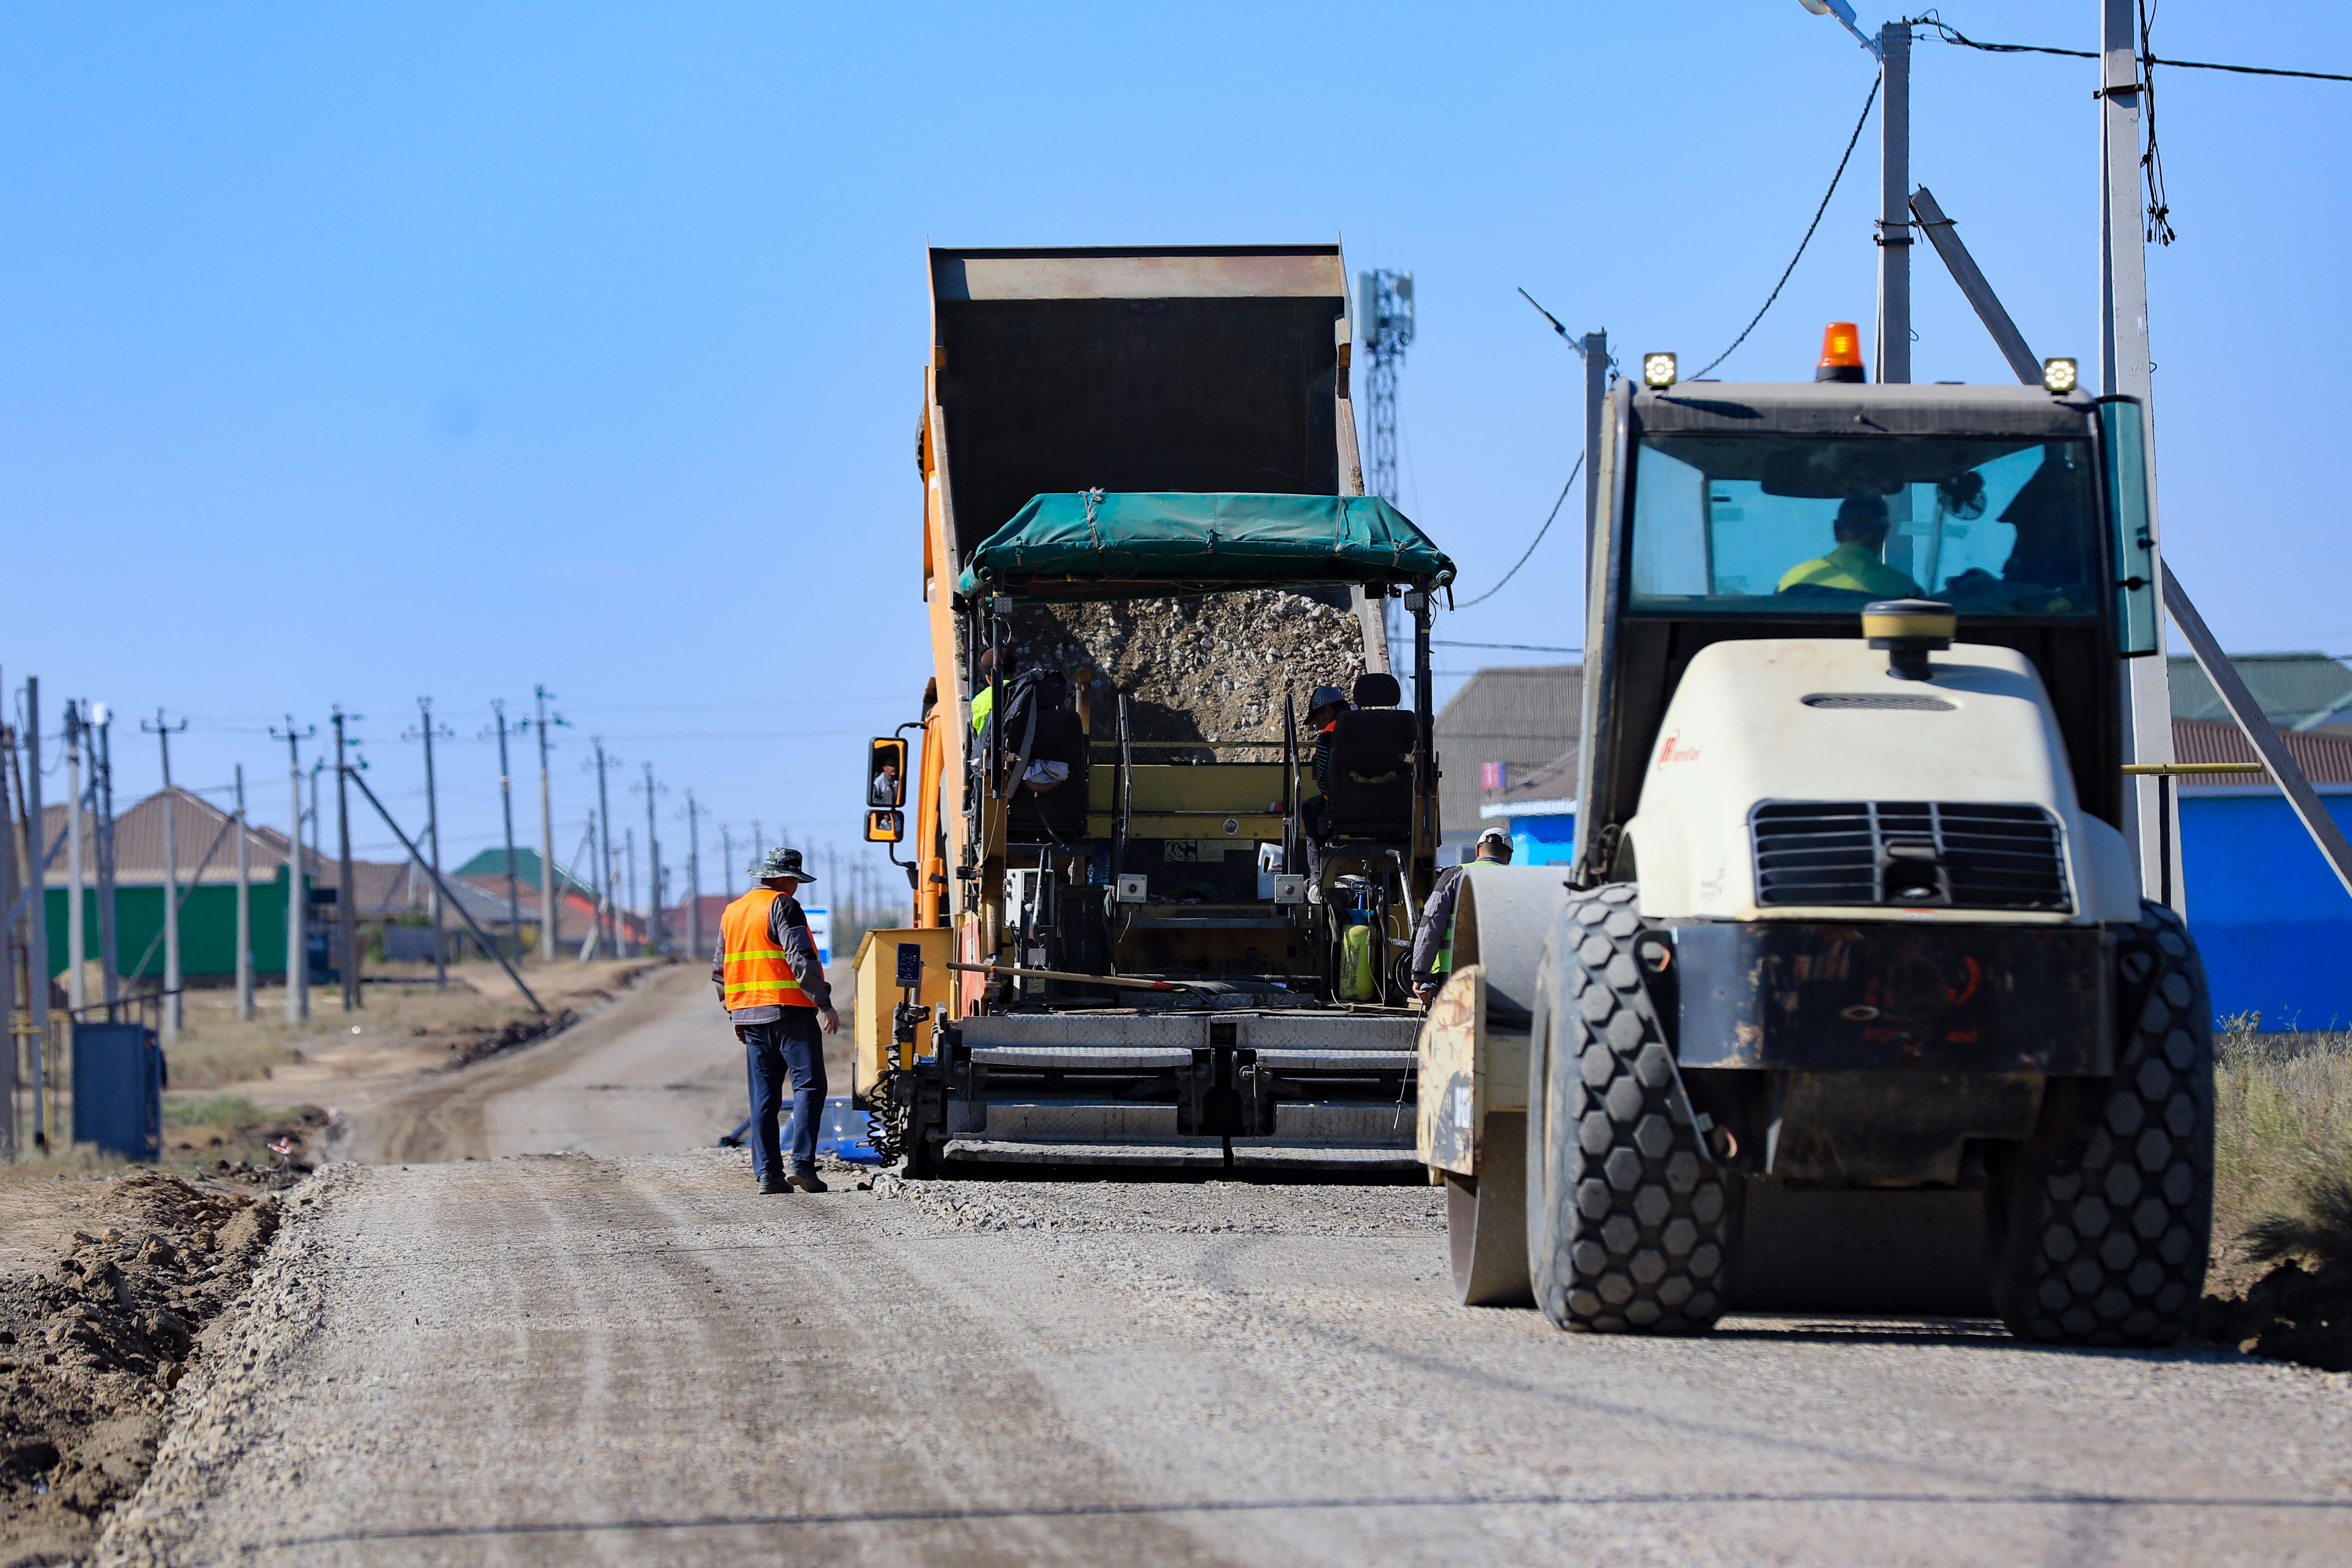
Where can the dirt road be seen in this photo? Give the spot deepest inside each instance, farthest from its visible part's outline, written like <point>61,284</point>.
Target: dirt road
<point>654,1072</point>
<point>567,1360</point>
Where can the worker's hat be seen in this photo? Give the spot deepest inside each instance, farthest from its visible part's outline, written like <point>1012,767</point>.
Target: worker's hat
<point>1496,835</point>
<point>780,863</point>
<point>1323,697</point>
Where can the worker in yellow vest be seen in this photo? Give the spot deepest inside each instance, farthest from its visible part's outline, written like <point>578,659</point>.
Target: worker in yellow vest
<point>775,995</point>
<point>1432,944</point>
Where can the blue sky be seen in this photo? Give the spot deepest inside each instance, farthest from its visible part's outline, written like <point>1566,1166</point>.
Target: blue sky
<point>351,355</point>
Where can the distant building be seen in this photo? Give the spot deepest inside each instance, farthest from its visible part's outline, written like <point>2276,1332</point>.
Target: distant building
<point>2305,692</point>
<point>1503,725</point>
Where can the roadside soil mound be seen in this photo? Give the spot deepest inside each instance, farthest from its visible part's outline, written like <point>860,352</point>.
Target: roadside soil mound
<point>91,1346</point>
<point>2290,1313</point>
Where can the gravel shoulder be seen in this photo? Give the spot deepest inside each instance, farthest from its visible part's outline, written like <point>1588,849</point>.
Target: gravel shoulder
<point>570,1359</point>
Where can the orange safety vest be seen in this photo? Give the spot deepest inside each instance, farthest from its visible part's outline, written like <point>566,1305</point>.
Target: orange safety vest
<point>757,973</point>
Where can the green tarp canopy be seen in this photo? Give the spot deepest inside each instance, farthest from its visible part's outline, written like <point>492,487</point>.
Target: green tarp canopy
<point>1092,544</point>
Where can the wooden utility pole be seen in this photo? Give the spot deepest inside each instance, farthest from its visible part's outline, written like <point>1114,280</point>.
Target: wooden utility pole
<point>346,898</point>
<point>244,907</point>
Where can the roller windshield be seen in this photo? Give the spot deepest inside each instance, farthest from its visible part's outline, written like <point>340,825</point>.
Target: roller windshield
<point>1797,524</point>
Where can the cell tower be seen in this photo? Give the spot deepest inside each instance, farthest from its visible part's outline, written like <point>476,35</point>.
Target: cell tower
<point>1384,315</point>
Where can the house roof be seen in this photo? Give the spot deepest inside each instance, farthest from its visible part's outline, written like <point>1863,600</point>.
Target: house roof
<point>2295,689</point>
<point>492,862</point>
<point>1548,790</point>
<point>198,826</point>
<point>1523,716</point>
<point>2324,759</point>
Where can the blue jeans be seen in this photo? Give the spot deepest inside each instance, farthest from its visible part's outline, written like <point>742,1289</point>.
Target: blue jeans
<point>791,1049</point>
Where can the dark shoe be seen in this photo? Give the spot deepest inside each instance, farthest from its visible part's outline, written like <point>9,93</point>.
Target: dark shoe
<point>806,1180</point>
<point>775,1184</point>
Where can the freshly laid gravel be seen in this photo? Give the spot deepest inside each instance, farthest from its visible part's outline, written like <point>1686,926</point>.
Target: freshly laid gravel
<point>564,1359</point>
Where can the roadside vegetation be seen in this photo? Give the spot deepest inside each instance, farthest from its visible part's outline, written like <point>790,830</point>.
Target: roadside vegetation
<point>2282,1277</point>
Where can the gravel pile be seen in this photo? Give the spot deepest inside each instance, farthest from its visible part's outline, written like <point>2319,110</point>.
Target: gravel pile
<point>91,1347</point>
<point>1208,668</point>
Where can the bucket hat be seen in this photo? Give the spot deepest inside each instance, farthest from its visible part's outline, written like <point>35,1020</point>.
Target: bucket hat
<point>780,863</point>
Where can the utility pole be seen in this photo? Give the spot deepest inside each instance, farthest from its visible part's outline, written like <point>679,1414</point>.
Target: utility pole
<point>171,1015</point>
<point>654,932</point>
<point>604,844</point>
<point>346,897</point>
<point>595,942</point>
<point>506,805</point>
<point>727,862</point>
<point>77,936</point>
<point>244,907</point>
<point>424,729</point>
<point>629,840</point>
<point>551,901</point>
<point>1895,204</point>
<point>298,891</point>
<point>7,959</point>
<point>36,934</point>
<point>693,877</point>
<point>110,952</point>
<point>2152,823</point>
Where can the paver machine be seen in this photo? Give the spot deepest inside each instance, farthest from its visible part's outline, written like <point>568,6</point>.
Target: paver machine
<point>1849,1000</point>
<point>1145,935</point>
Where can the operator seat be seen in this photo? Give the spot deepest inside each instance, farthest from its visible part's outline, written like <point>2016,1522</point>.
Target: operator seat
<point>1371,766</point>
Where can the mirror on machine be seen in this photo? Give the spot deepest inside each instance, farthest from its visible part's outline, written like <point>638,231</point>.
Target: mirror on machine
<point>885,827</point>
<point>885,774</point>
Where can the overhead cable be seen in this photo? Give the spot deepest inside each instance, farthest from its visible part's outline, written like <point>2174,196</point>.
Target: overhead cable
<point>1539,532</point>
<point>1952,35</point>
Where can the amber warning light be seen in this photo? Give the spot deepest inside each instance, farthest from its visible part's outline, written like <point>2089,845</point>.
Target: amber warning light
<point>1840,353</point>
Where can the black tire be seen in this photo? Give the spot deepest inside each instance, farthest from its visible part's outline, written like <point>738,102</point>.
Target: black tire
<point>1631,1226</point>
<point>2103,1229</point>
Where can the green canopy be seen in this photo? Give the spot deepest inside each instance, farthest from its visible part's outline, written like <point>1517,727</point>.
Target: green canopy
<point>1093,546</point>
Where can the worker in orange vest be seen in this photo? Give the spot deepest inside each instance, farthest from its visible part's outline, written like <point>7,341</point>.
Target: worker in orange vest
<point>775,995</point>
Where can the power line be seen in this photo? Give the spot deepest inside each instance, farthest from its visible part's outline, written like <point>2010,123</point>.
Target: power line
<point>1952,35</point>
<point>1850,143</point>
<point>1539,539</point>
<point>1513,647</point>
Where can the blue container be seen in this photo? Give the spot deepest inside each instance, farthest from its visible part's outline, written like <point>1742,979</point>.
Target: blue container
<point>843,1133</point>
<point>117,1089</point>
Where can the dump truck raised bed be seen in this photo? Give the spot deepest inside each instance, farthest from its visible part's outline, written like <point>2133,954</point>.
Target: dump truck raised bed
<point>1148,932</point>
<point>1849,1000</point>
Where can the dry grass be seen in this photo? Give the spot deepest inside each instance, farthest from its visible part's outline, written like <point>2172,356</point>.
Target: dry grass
<point>2282,1133</point>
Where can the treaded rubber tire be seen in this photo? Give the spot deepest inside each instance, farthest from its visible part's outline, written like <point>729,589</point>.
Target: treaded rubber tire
<point>1631,1226</point>
<point>2104,1228</point>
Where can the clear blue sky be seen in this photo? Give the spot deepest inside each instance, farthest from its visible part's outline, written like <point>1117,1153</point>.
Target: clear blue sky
<point>353,354</point>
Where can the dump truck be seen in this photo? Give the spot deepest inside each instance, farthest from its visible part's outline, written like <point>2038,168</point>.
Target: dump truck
<point>1159,922</point>
<point>1850,999</point>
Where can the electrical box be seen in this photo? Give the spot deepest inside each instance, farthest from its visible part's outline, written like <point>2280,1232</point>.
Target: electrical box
<point>1135,889</point>
<point>1021,897</point>
<point>117,1089</point>
<point>1289,889</point>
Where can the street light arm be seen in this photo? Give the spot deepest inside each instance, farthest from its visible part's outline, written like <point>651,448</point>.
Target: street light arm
<point>1844,14</point>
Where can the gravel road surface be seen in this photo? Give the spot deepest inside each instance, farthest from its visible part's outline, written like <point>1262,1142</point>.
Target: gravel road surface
<point>574,1360</point>
<point>654,1072</point>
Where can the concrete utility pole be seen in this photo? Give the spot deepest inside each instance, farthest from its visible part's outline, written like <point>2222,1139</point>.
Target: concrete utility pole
<point>425,728</point>
<point>550,911</point>
<point>2152,823</point>
<point>727,862</point>
<point>297,892</point>
<point>244,907</point>
<point>77,936</point>
<point>7,959</point>
<point>607,923</point>
<point>629,843</point>
<point>653,864</point>
<point>171,1015</point>
<point>1895,203</point>
<point>36,934</point>
<point>693,877</point>
<point>346,897</point>
<point>506,805</point>
<point>110,952</point>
